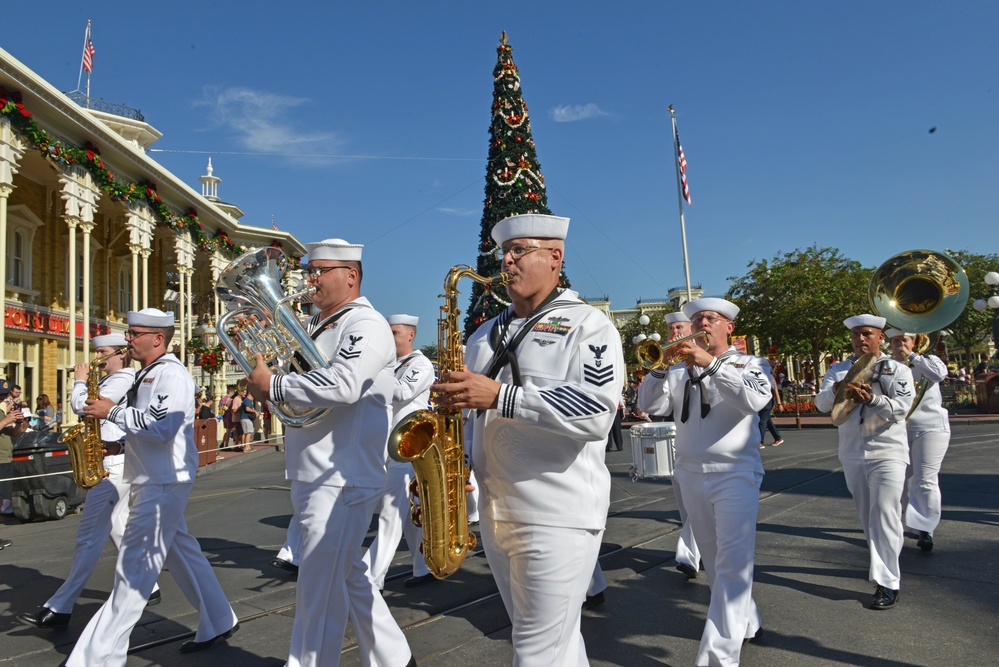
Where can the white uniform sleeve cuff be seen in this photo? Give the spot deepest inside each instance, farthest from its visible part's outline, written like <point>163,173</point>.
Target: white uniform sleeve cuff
<point>508,401</point>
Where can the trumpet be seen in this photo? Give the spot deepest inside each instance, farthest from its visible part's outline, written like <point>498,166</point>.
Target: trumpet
<point>651,355</point>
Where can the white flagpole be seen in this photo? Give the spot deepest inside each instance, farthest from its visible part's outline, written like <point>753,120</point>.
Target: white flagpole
<point>679,196</point>
<point>86,38</point>
<point>91,66</point>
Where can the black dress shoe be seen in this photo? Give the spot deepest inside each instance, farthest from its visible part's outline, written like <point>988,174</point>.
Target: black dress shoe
<point>688,570</point>
<point>755,638</point>
<point>46,618</point>
<point>4,544</point>
<point>884,598</point>
<point>594,601</point>
<point>413,582</point>
<point>154,598</point>
<point>412,662</point>
<point>193,646</point>
<point>925,541</point>
<point>284,565</point>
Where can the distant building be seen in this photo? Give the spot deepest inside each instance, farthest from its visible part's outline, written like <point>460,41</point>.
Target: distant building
<point>91,227</point>
<point>674,300</point>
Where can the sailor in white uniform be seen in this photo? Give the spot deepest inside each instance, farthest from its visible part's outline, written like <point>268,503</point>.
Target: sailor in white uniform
<point>106,510</point>
<point>161,463</point>
<point>928,430</point>
<point>337,464</point>
<point>874,450</point>
<point>688,557</point>
<point>714,398</point>
<point>536,436</point>
<point>414,374</point>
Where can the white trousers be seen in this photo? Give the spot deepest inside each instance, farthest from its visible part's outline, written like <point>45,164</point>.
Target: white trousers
<point>292,541</point>
<point>876,486</point>
<point>333,584</point>
<point>542,573</point>
<point>472,499</point>
<point>393,522</point>
<point>598,584</point>
<point>155,536</point>
<point>104,515</point>
<point>686,547</point>
<point>921,493</point>
<point>722,508</point>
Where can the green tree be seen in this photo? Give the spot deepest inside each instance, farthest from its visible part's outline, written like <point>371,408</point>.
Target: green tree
<point>430,351</point>
<point>798,300</point>
<point>972,328</point>
<point>514,182</point>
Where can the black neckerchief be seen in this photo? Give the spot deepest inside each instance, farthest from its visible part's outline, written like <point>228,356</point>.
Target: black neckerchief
<point>696,380</point>
<point>503,354</point>
<point>139,377</point>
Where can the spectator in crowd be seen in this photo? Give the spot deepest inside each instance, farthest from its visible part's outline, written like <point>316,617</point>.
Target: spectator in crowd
<point>44,413</point>
<point>205,411</point>
<point>225,409</point>
<point>10,416</point>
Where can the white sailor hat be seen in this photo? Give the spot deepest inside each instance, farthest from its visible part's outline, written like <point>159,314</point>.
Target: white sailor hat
<point>109,340</point>
<point>150,317</point>
<point>891,333</point>
<point>720,306</point>
<point>864,320</point>
<point>408,320</point>
<point>530,226</point>
<point>673,318</point>
<point>334,249</point>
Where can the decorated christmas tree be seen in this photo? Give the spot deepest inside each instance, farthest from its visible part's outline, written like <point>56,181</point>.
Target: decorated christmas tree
<point>514,183</point>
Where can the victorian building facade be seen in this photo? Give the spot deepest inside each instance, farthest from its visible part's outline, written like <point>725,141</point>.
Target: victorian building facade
<point>91,227</point>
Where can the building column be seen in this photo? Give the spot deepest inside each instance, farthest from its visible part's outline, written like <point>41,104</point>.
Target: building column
<point>88,278</point>
<point>146,252</point>
<point>11,150</point>
<point>135,250</point>
<point>80,193</point>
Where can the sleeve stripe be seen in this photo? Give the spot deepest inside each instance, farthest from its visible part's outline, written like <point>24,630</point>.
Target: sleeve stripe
<point>571,402</point>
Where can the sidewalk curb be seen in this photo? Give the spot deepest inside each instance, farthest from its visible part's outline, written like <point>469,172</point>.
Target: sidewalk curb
<point>235,458</point>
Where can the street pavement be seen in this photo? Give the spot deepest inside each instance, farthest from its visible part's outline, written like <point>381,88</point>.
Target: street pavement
<point>810,581</point>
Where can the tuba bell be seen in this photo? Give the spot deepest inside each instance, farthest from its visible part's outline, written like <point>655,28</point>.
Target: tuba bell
<point>919,291</point>
<point>263,320</point>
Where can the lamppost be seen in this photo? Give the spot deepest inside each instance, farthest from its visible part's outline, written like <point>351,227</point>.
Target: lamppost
<point>644,321</point>
<point>992,280</point>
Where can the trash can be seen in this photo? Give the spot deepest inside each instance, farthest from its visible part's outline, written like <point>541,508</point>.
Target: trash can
<point>49,497</point>
<point>206,436</point>
<point>652,450</point>
<point>987,388</point>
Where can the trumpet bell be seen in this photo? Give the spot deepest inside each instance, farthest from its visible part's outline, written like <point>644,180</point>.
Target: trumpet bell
<point>919,290</point>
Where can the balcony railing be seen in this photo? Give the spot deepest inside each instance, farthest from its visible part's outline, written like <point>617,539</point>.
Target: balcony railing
<point>107,107</point>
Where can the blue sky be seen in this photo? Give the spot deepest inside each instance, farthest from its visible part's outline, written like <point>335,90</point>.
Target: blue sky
<point>802,122</point>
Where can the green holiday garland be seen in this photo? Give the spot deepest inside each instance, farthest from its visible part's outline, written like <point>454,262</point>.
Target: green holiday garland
<point>89,158</point>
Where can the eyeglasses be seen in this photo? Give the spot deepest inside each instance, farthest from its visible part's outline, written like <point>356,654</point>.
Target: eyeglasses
<point>518,251</point>
<point>709,319</point>
<point>317,271</point>
<point>129,333</point>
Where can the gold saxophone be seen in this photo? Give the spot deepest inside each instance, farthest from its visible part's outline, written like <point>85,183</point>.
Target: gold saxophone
<point>434,444</point>
<point>83,440</point>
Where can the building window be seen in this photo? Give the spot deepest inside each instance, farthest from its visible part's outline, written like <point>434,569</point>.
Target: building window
<point>16,261</point>
<point>21,226</point>
<point>125,289</point>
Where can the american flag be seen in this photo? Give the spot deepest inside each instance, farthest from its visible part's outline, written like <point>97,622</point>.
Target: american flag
<point>88,54</point>
<point>682,162</point>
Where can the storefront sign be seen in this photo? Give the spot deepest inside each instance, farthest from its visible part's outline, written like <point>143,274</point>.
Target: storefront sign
<point>47,324</point>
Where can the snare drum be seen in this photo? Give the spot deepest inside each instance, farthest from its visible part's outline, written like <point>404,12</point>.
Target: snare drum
<point>652,450</point>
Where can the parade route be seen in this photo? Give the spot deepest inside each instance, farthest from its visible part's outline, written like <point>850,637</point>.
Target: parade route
<point>810,580</point>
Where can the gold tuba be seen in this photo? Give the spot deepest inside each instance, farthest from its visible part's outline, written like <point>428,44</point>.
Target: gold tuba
<point>434,443</point>
<point>83,440</point>
<point>919,291</point>
<point>651,355</point>
<point>265,322</point>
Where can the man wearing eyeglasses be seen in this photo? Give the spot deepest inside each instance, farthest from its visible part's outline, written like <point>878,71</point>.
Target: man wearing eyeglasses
<point>543,383</point>
<point>337,464</point>
<point>714,397</point>
<point>161,463</point>
<point>106,510</point>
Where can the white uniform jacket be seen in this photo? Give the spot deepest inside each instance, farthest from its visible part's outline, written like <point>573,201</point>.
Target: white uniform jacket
<point>159,425</point>
<point>113,386</point>
<point>414,374</point>
<point>877,430</point>
<point>348,446</point>
<point>540,455</point>
<point>930,414</point>
<point>736,386</point>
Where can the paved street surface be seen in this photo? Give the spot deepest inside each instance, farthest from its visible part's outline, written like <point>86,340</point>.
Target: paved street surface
<point>811,575</point>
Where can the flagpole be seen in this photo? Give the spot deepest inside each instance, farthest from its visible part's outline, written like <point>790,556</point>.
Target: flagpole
<point>88,72</point>
<point>679,197</point>
<point>86,37</point>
